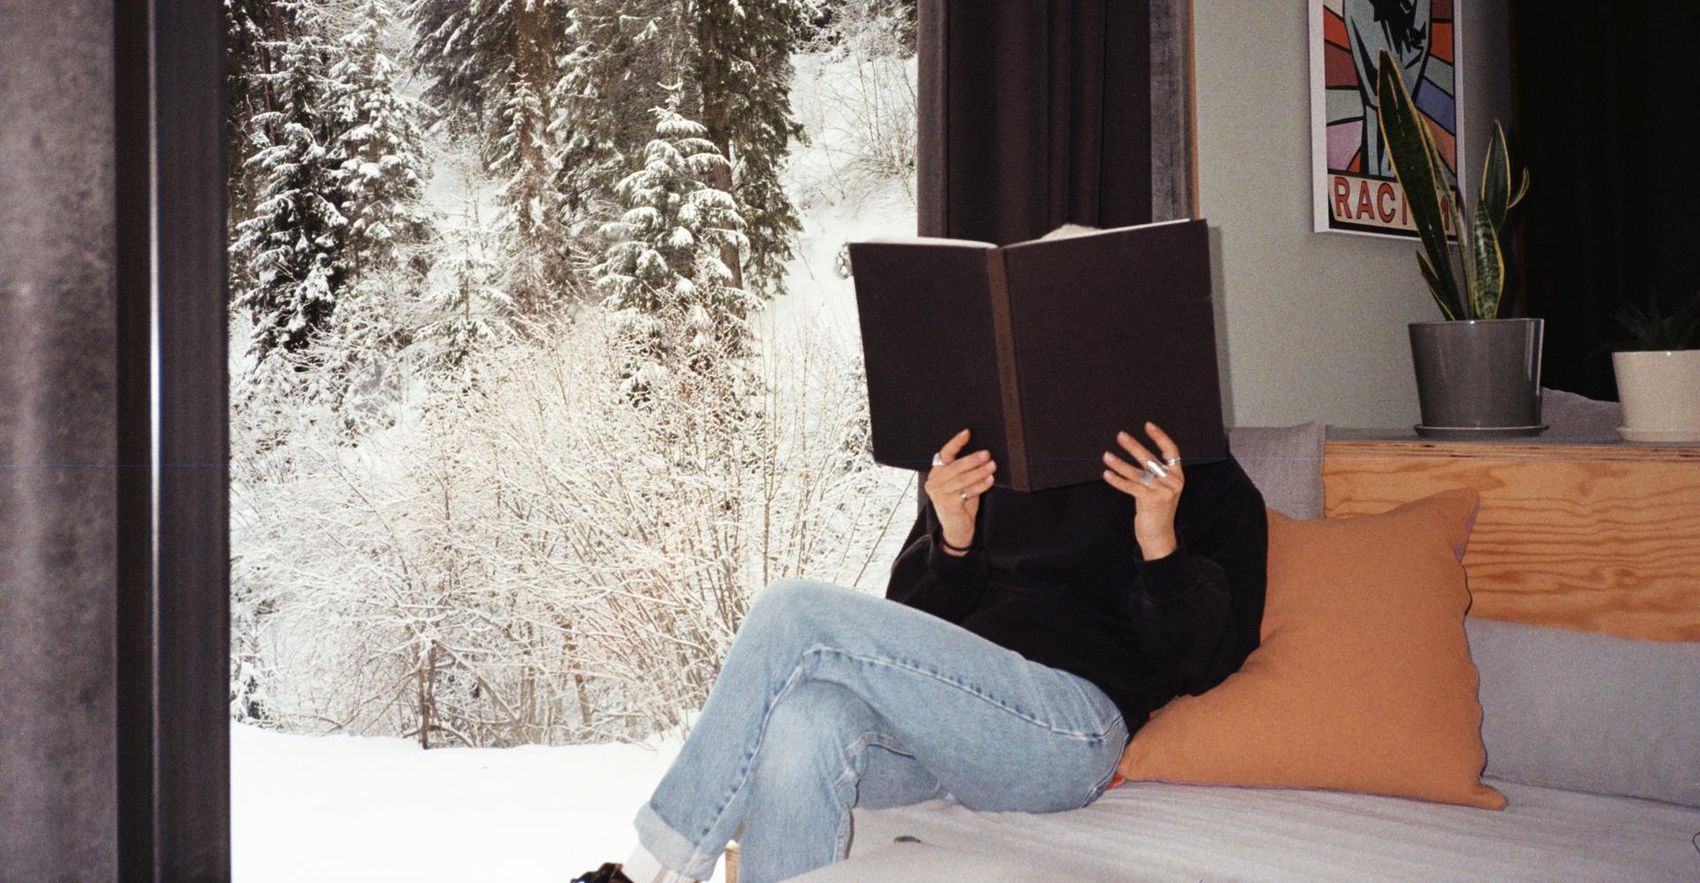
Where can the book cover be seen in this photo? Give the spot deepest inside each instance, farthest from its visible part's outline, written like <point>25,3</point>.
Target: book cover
<point>1043,349</point>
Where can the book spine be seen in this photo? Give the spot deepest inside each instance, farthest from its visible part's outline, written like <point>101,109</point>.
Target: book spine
<point>1008,376</point>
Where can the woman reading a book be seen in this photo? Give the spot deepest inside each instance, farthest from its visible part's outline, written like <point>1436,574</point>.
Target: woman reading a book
<point>1031,634</point>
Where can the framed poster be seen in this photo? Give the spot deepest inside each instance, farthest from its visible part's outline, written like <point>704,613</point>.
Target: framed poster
<point>1352,180</point>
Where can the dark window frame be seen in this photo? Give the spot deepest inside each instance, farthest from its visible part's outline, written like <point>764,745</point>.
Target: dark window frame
<point>173,575</point>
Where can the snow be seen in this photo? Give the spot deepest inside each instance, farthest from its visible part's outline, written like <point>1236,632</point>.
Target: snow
<point>815,292</point>
<point>330,808</point>
<point>839,198</point>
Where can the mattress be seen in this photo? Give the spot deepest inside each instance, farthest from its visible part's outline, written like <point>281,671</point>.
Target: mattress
<point>1150,831</point>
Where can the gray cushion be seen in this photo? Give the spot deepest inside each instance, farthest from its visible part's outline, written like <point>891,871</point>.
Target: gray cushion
<point>1285,463</point>
<point>1572,416</point>
<point>1589,712</point>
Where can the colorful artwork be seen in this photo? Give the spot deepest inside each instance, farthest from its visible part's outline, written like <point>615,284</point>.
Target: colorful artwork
<point>1355,188</point>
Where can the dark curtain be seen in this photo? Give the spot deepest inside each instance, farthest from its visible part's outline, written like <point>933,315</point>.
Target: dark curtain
<point>1605,97</point>
<point>1033,114</point>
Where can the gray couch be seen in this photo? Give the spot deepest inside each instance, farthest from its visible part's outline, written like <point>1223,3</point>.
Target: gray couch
<point>1594,740</point>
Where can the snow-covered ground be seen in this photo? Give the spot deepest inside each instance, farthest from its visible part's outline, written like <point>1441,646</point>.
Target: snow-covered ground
<point>330,808</point>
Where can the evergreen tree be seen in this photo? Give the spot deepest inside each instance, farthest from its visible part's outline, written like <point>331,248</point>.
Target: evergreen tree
<point>465,49</point>
<point>498,62</point>
<point>378,139</point>
<point>252,29</point>
<point>469,308</point>
<point>725,62</point>
<point>552,85</point>
<point>626,54</point>
<point>743,67</point>
<point>664,270</point>
<point>291,244</point>
<point>539,273</point>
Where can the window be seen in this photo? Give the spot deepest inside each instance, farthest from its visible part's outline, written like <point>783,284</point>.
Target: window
<point>544,361</point>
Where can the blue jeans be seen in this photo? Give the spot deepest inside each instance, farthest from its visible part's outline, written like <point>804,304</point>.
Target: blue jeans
<point>831,698</point>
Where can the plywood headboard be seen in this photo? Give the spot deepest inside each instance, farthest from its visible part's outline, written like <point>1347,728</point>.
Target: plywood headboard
<point>1600,537</point>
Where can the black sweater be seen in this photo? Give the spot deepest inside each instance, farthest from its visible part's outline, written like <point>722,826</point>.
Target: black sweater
<point>1056,576</point>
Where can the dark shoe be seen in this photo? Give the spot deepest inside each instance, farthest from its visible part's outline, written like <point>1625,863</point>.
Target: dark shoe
<point>608,873</point>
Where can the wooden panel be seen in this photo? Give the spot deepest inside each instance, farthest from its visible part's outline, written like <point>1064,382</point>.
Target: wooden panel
<point>1601,538</point>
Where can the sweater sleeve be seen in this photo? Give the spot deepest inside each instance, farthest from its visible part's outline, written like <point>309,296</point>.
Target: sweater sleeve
<point>1200,608</point>
<point>928,578</point>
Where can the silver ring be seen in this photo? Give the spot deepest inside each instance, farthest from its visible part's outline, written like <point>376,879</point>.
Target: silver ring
<point>963,495</point>
<point>1145,478</point>
<point>937,460</point>
<point>1172,461</point>
<point>1156,469</point>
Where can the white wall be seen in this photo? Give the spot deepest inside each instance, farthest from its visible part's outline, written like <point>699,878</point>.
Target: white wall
<point>1315,322</point>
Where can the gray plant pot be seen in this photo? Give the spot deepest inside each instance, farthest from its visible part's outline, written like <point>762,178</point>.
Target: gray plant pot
<point>1478,377</point>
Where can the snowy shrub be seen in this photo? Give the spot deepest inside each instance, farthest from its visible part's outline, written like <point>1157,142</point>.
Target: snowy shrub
<point>544,562</point>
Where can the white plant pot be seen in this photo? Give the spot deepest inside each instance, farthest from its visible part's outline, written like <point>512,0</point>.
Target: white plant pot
<point>1660,392</point>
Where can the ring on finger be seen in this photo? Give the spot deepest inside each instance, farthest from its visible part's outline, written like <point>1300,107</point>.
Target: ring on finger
<point>1172,462</point>
<point>1156,469</point>
<point>962,494</point>
<point>937,460</point>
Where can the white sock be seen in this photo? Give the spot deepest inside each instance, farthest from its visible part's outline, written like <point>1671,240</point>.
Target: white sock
<point>643,867</point>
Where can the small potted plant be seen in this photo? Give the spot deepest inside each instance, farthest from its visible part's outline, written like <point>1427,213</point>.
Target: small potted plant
<point>1658,372</point>
<point>1477,374</point>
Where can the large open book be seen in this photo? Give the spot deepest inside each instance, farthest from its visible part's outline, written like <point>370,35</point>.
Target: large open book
<point>1043,349</point>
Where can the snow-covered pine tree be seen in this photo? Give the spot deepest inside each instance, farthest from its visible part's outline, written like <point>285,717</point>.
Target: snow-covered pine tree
<point>468,306</point>
<point>246,59</point>
<point>254,31</point>
<point>538,272</point>
<point>378,137</point>
<point>742,65</point>
<point>250,677</point>
<point>464,50</point>
<point>290,246</point>
<point>725,62</point>
<point>663,271</point>
<point>499,63</point>
<point>625,54</point>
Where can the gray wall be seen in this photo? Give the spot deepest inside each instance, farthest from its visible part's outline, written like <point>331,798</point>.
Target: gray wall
<point>1315,322</point>
<point>57,441</point>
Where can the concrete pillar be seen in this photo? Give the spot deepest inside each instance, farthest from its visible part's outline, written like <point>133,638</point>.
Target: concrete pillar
<point>58,442</point>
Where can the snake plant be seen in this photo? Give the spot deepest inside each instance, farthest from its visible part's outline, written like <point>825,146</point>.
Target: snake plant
<point>1429,198</point>
<point>1655,328</point>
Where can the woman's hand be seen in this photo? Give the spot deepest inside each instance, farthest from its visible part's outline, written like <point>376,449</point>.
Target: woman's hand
<point>954,485</point>
<point>1155,499</point>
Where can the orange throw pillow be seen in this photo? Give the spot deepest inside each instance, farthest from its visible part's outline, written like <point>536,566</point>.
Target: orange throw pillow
<point>1363,681</point>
